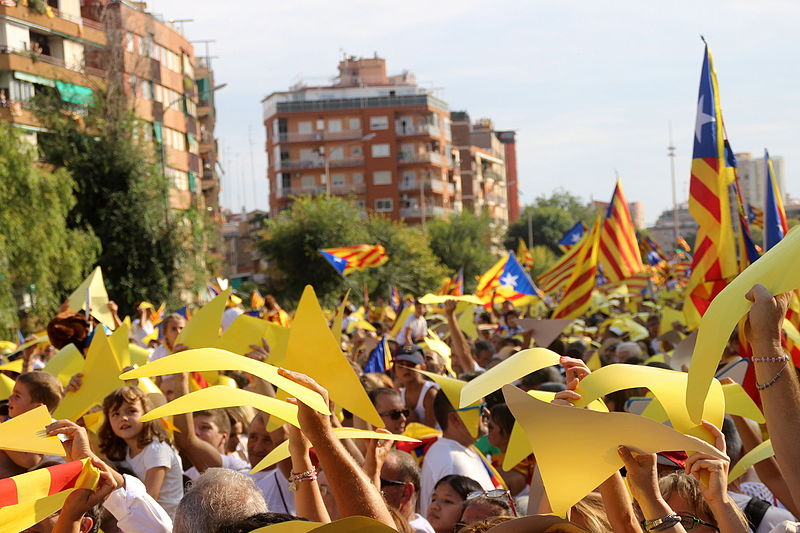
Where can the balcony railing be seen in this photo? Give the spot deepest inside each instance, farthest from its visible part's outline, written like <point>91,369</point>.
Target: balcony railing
<point>292,137</point>
<point>431,185</point>
<point>420,157</point>
<point>491,175</point>
<point>416,212</point>
<point>354,188</point>
<point>300,191</point>
<point>417,129</point>
<point>294,164</point>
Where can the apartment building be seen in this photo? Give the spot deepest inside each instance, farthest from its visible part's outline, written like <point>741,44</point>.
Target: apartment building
<point>209,150</point>
<point>483,167</point>
<point>243,261</point>
<point>77,46</point>
<point>380,140</point>
<point>46,48</point>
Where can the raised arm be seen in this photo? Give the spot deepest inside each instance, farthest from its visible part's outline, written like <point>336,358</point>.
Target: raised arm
<point>458,342</point>
<point>202,454</point>
<point>307,499</point>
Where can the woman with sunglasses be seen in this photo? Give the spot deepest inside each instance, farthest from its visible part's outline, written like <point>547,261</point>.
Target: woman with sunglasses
<point>447,503</point>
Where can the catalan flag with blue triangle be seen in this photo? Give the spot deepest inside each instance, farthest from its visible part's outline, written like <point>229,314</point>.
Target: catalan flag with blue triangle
<point>379,357</point>
<point>394,299</point>
<point>572,236</point>
<point>348,259</point>
<point>775,225</point>
<point>508,279</point>
<point>755,217</point>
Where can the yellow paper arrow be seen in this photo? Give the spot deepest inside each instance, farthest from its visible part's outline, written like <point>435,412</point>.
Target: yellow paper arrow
<point>100,377</point>
<point>21,433</point>
<point>466,319</point>
<point>202,330</point>
<point>351,524</point>
<point>398,324</point>
<point>667,386</point>
<point>67,362</point>
<point>576,449</point>
<point>97,295</point>
<point>779,271</point>
<point>6,386</point>
<point>13,366</point>
<point>214,360</point>
<point>338,317</point>
<point>249,330</point>
<point>313,351</point>
<point>281,451</point>
<point>739,403</point>
<point>519,447</point>
<point>432,299</point>
<point>121,345</point>
<point>471,416</point>
<point>518,365</point>
<point>756,455</point>
<point>220,397</point>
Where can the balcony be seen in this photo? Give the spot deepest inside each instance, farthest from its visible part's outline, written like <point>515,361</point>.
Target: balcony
<point>417,129</point>
<point>432,185</point>
<point>354,188</point>
<point>296,164</point>
<point>294,137</point>
<point>492,175</point>
<point>300,191</point>
<point>304,106</point>
<point>420,157</point>
<point>416,212</point>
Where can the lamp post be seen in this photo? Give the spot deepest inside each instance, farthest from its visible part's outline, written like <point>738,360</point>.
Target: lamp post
<point>164,149</point>
<point>327,163</point>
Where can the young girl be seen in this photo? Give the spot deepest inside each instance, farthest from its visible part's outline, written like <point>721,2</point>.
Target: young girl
<point>142,447</point>
<point>171,328</point>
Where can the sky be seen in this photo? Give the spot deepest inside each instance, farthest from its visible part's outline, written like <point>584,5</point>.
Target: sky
<point>590,87</point>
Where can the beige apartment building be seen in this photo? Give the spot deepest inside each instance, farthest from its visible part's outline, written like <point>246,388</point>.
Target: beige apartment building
<point>380,140</point>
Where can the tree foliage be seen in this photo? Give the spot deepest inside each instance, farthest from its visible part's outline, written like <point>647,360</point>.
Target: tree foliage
<point>551,217</point>
<point>121,196</point>
<point>291,244</point>
<point>464,241</point>
<point>41,258</point>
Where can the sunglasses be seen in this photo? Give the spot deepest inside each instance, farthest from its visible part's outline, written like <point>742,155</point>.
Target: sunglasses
<point>391,483</point>
<point>395,414</point>
<point>496,494</point>
<point>689,521</point>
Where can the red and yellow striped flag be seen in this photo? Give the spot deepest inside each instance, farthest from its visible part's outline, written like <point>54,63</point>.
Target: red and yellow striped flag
<point>619,252</point>
<point>560,273</point>
<point>578,294</point>
<point>714,261</point>
<point>524,255</point>
<point>348,259</point>
<point>29,498</point>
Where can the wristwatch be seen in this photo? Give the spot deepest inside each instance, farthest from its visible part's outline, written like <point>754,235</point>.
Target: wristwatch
<point>659,524</point>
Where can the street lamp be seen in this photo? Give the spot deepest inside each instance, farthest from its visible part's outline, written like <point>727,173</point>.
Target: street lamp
<point>163,145</point>
<point>327,162</point>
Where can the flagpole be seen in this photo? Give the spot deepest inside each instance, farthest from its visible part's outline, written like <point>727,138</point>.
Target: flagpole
<point>671,155</point>
<point>530,231</point>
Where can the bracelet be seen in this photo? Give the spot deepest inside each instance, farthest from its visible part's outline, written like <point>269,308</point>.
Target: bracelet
<point>775,378</point>
<point>295,477</point>
<point>659,524</point>
<point>779,359</point>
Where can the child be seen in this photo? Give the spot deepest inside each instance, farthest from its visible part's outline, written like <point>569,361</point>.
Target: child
<point>142,447</point>
<point>31,390</point>
<point>171,328</point>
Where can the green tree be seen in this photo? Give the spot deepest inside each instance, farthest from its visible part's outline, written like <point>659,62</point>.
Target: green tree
<point>551,216</point>
<point>148,252</point>
<point>40,257</point>
<point>412,265</point>
<point>464,241</point>
<point>543,258</point>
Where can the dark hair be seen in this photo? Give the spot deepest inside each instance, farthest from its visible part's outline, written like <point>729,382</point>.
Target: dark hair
<point>502,417</point>
<point>543,375</point>
<point>486,346</point>
<point>441,409</point>
<point>219,417</point>
<point>575,349</point>
<point>43,388</point>
<point>501,503</point>
<point>257,521</point>
<point>733,441</point>
<point>552,386</point>
<point>374,393</point>
<point>68,328</point>
<point>114,447</point>
<point>557,346</point>
<point>463,485</point>
<point>407,468</point>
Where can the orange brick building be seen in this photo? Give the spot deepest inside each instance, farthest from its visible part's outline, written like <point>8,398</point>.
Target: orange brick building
<point>381,140</point>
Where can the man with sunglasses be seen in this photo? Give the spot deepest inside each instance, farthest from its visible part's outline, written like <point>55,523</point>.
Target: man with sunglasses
<point>400,488</point>
<point>390,407</point>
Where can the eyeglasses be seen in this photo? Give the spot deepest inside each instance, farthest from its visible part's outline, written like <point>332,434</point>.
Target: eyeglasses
<point>496,494</point>
<point>391,483</point>
<point>395,414</point>
<point>689,521</point>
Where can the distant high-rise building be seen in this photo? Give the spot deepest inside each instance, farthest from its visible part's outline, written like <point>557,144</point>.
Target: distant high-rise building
<point>381,140</point>
<point>663,231</point>
<point>483,166</point>
<point>751,172</point>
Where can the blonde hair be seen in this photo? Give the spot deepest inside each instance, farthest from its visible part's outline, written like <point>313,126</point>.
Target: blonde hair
<point>688,488</point>
<point>111,445</point>
<point>590,514</point>
<point>485,525</point>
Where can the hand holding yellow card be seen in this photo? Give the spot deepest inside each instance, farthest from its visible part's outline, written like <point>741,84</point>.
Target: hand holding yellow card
<point>22,433</point>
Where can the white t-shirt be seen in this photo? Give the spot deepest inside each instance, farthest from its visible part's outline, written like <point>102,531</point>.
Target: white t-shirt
<point>230,314</point>
<point>160,351</point>
<point>772,518</point>
<point>275,488</point>
<point>420,524</point>
<point>154,455</point>
<point>231,462</point>
<point>141,330</point>
<point>446,457</point>
<point>418,327</point>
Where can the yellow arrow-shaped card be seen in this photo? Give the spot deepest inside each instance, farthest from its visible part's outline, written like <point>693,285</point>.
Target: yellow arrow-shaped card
<point>21,433</point>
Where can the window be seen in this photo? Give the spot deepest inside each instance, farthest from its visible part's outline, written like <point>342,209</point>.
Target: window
<point>358,177</point>
<point>382,177</point>
<point>337,180</point>
<point>304,127</point>
<point>309,182</point>
<point>355,123</point>
<point>360,204</point>
<point>129,42</point>
<point>378,123</point>
<point>355,151</point>
<point>147,89</point>
<point>337,154</point>
<point>380,150</point>
<point>306,154</point>
<point>335,126</point>
<point>383,204</point>
<point>409,178</point>
<point>177,178</point>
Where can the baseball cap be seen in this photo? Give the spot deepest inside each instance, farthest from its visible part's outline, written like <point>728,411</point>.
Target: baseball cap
<point>411,353</point>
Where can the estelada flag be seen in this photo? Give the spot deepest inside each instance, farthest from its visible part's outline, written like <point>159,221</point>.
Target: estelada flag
<point>348,259</point>
<point>524,255</point>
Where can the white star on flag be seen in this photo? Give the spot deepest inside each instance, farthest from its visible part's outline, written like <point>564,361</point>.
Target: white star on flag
<point>702,119</point>
<point>509,279</point>
<point>337,259</point>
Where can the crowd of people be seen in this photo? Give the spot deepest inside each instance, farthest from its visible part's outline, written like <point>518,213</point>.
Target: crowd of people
<point>193,473</point>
